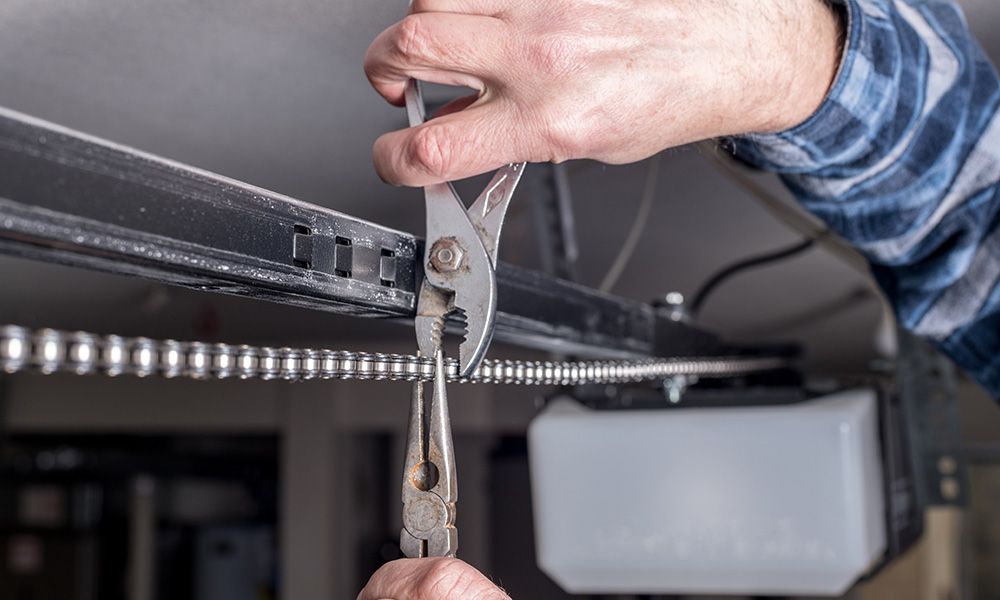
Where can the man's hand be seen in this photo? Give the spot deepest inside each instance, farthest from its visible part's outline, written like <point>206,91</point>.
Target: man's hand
<point>430,579</point>
<point>612,80</point>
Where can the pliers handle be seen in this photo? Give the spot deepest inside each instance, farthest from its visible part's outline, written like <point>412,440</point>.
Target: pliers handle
<point>430,487</point>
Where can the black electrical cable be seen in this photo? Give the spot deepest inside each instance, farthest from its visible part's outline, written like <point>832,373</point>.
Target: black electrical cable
<point>755,261</point>
<point>829,309</point>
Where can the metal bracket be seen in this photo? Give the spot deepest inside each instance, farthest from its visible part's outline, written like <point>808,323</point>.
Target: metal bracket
<point>554,220</point>
<point>72,199</point>
<point>904,515</point>
<point>926,385</point>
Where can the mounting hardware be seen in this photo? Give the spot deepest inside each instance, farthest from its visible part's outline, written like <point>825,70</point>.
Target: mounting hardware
<point>302,247</point>
<point>387,268</point>
<point>675,386</point>
<point>446,255</point>
<point>343,257</point>
<point>676,310</point>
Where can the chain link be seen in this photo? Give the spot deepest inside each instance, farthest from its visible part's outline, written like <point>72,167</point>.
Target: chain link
<point>51,351</point>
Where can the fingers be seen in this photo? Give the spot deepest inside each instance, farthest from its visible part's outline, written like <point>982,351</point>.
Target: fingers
<point>430,579</point>
<point>469,7</point>
<point>393,581</point>
<point>453,49</point>
<point>455,146</point>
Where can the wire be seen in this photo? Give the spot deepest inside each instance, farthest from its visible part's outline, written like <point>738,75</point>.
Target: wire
<point>796,220</point>
<point>760,260</point>
<point>788,215</point>
<point>856,296</point>
<point>638,227</point>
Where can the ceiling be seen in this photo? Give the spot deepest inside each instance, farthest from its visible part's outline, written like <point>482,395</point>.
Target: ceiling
<point>273,93</point>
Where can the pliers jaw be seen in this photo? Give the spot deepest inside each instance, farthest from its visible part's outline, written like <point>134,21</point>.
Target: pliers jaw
<point>459,279</point>
<point>460,257</point>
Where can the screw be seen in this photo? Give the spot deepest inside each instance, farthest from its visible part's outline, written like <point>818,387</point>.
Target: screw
<point>675,386</point>
<point>446,255</point>
<point>675,305</point>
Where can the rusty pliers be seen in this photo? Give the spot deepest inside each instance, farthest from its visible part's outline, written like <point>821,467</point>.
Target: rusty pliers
<point>460,256</point>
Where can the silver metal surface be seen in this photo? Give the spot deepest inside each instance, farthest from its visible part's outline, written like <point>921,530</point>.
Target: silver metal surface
<point>430,486</point>
<point>467,283</point>
<point>446,256</point>
<point>675,386</point>
<point>53,351</point>
<point>487,213</point>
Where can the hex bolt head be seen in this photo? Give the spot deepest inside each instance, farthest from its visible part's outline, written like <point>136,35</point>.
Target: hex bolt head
<point>446,255</point>
<point>674,299</point>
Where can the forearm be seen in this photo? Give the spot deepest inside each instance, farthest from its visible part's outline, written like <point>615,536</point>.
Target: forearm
<point>900,159</point>
<point>903,160</point>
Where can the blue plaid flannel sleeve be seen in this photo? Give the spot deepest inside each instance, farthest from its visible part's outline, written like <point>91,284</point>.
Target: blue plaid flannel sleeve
<point>903,161</point>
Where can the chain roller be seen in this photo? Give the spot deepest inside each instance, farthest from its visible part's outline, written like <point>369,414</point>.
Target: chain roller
<point>51,351</point>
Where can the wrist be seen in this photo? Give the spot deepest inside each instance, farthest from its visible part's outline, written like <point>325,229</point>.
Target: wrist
<point>812,56</point>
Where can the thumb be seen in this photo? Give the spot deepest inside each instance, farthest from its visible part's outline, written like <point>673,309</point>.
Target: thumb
<point>430,579</point>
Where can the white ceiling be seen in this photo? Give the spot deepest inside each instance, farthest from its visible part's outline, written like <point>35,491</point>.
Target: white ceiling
<point>273,93</point>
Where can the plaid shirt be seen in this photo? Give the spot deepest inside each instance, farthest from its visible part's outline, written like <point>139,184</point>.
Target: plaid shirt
<point>903,161</point>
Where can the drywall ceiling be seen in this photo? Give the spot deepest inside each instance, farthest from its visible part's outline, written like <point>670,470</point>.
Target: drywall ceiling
<point>273,93</point>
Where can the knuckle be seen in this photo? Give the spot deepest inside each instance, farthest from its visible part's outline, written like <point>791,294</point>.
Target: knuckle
<point>372,57</point>
<point>412,39</point>
<point>371,67</point>
<point>431,151</point>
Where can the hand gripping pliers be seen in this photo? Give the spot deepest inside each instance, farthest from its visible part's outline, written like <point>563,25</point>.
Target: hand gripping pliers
<point>460,256</point>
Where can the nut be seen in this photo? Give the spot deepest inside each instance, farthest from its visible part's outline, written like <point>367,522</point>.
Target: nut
<point>446,255</point>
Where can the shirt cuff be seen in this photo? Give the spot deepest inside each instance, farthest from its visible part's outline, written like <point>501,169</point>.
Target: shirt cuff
<point>807,147</point>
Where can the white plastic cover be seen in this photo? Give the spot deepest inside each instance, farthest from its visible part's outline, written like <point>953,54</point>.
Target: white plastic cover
<point>765,500</point>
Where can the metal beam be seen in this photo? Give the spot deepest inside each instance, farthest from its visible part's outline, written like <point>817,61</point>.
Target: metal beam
<point>73,199</point>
